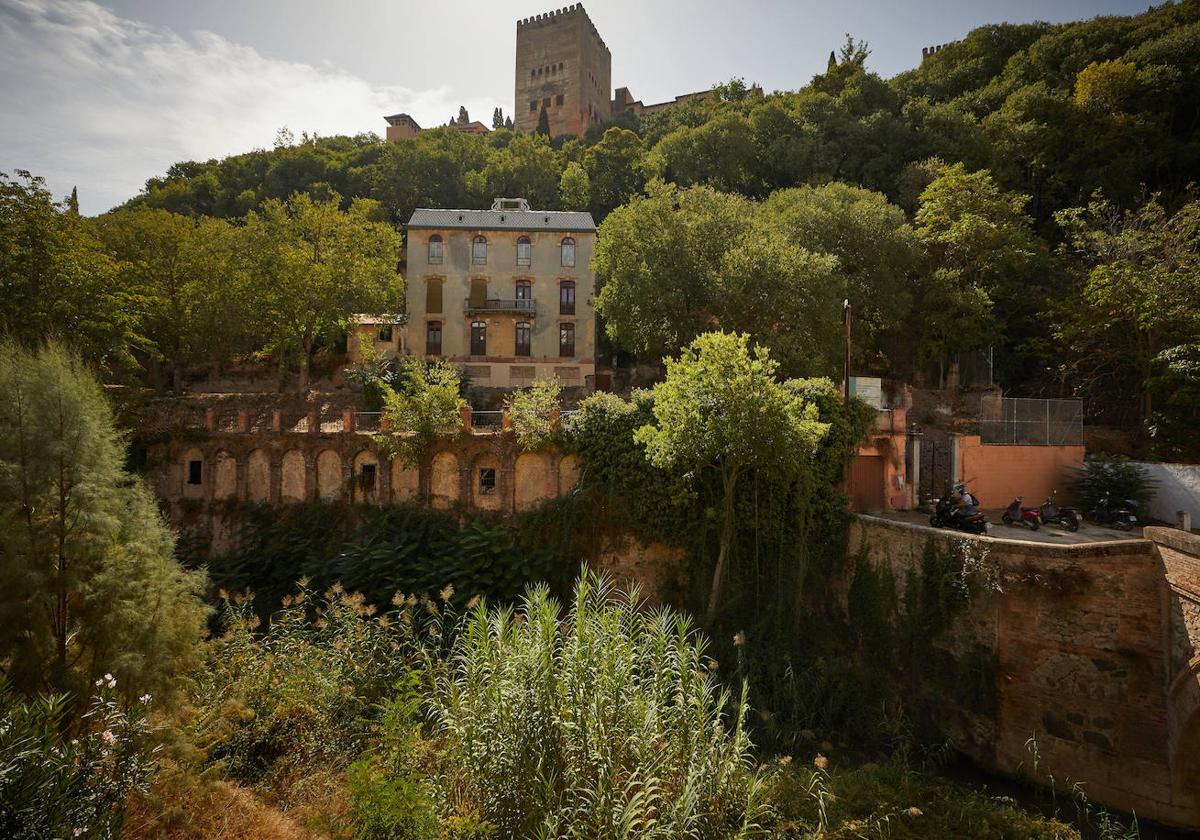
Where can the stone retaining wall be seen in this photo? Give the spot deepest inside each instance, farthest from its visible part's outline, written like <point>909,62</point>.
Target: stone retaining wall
<point>1095,660</point>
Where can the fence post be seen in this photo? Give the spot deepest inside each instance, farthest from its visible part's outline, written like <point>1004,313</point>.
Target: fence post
<point>347,420</point>
<point>464,415</point>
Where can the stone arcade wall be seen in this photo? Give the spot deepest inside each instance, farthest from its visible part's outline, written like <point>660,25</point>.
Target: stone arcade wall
<point>1096,652</point>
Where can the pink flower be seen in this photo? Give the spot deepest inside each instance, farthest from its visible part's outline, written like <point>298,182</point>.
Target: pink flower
<point>145,699</point>
<point>108,737</point>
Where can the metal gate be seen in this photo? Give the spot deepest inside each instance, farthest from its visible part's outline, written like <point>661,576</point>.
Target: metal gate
<point>935,466</point>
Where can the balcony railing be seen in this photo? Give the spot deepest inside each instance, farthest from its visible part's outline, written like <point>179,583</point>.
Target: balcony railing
<point>524,306</point>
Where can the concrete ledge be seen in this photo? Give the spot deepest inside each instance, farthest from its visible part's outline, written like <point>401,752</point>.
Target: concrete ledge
<point>1023,547</point>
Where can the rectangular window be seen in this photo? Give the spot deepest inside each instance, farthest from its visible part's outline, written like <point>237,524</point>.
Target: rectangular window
<point>435,250</point>
<point>524,251</point>
<point>479,251</point>
<point>478,297</point>
<point>524,338</point>
<point>522,374</point>
<point>433,338</point>
<point>545,101</point>
<point>566,298</point>
<point>478,338</point>
<point>524,290</point>
<point>433,297</point>
<point>532,106</point>
<point>487,481</point>
<point>195,472</point>
<point>566,341</point>
<point>558,100</point>
<point>385,333</point>
<point>366,478</point>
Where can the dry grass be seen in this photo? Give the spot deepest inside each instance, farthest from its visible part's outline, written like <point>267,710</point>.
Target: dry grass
<point>184,807</point>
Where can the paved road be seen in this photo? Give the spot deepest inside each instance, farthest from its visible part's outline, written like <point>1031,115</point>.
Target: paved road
<point>1052,534</point>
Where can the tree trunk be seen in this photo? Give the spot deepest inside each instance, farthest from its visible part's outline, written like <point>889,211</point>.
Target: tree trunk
<point>728,482</point>
<point>303,384</point>
<point>281,381</point>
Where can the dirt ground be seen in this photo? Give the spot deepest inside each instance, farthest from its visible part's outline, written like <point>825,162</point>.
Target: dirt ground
<point>1052,534</point>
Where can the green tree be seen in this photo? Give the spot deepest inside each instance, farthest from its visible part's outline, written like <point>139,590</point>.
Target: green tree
<point>984,260</point>
<point>534,413</point>
<point>616,170</point>
<point>543,124</point>
<point>311,265</point>
<point>56,279</point>
<point>88,584</point>
<point>1140,295</point>
<point>463,117</point>
<point>527,166</point>
<point>878,252</point>
<point>1104,87</point>
<point>426,406</point>
<point>658,258</point>
<point>497,118</point>
<point>721,413</point>
<point>574,187</point>
<point>178,270</point>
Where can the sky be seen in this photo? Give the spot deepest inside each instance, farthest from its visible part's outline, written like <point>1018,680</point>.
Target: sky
<point>103,95</point>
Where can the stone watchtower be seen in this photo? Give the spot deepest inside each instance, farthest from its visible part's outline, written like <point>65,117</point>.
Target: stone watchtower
<point>564,67</point>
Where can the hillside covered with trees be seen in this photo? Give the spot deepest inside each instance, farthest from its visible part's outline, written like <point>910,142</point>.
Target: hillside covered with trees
<point>1026,191</point>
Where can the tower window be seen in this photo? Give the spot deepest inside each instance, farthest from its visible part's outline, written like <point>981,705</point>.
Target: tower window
<point>524,250</point>
<point>545,101</point>
<point>532,105</point>
<point>558,100</point>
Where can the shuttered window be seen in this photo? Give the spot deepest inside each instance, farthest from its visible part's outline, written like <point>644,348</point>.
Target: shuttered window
<point>478,291</point>
<point>433,296</point>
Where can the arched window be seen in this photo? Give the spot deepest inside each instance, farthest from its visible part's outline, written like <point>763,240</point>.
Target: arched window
<point>568,251</point>
<point>433,338</point>
<point>566,340</point>
<point>479,250</point>
<point>435,250</point>
<point>566,297</point>
<point>478,338</point>
<point>524,338</point>
<point>524,250</point>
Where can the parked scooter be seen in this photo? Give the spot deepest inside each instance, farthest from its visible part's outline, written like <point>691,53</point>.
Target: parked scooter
<point>1121,518</point>
<point>948,514</point>
<point>1016,514</point>
<point>1052,514</point>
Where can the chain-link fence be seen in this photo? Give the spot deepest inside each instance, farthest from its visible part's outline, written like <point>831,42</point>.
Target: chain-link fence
<point>1030,422</point>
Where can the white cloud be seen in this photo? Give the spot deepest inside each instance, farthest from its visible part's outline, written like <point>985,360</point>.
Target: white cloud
<point>103,102</point>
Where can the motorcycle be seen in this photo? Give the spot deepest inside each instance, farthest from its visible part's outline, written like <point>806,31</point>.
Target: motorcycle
<point>1121,518</point>
<point>1051,513</point>
<point>1015,514</point>
<point>947,514</point>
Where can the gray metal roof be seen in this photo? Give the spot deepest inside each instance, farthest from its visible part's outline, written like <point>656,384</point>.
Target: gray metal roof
<point>564,220</point>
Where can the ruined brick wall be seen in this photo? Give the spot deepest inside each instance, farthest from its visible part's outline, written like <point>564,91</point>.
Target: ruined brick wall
<point>1095,659</point>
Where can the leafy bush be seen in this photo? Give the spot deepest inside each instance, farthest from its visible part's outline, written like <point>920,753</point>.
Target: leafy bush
<point>599,723</point>
<point>533,413</point>
<point>300,694</point>
<point>58,785</point>
<point>379,551</point>
<point>1113,477</point>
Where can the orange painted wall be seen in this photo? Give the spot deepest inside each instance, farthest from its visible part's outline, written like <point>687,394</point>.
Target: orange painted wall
<point>998,474</point>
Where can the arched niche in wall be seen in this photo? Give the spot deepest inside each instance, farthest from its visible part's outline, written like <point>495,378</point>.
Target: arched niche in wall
<point>443,480</point>
<point>329,475</point>
<point>292,485</point>
<point>258,476</point>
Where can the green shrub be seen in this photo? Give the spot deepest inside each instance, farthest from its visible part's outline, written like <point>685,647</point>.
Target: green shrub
<point>532,411</point>
<point>602,722</point>
<point>1114,477</point>
<point>58,785</point>
<point>302,693</point>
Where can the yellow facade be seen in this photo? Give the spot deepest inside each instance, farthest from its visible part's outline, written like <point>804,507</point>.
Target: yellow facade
<point>499,307</point>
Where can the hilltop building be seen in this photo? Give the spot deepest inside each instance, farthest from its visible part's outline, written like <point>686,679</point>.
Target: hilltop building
<point>563,67</point>
<point>402,127</point>
<point>505,292</point>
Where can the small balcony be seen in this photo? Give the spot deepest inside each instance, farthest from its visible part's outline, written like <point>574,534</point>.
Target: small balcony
<point>518,306</point>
